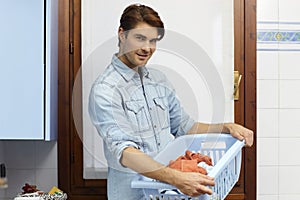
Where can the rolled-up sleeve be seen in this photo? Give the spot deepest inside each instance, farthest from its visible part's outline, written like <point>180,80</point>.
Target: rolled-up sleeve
<point>108,116</point>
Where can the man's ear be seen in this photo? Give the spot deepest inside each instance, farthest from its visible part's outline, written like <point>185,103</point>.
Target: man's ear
<point>121,34</point>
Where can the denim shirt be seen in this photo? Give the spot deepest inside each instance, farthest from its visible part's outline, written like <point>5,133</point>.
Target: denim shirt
<point>138,109</point>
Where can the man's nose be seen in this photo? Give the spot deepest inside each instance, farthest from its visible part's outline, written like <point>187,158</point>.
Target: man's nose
<point>147,46</point>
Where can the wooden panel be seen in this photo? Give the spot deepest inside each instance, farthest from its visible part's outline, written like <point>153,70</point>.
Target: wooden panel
<point>239,58</point>
<point>70,157</point>
<point>250,95</point>
<point>63,97</point>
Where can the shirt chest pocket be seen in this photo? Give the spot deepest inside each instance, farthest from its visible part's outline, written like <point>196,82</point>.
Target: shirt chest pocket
<point>137,116</point>
<point>162,111</point>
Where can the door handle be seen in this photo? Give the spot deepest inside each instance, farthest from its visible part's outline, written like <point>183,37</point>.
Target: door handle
<point>237,81</point>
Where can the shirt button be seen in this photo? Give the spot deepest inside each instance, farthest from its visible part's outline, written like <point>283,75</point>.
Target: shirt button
<point>154,126</point>
<point>158,144</point>
<point>150,108</point>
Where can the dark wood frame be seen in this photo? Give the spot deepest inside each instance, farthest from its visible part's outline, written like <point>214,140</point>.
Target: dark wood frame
<point>70,148</point>
<point>245,63</point>
<point>70,154</point>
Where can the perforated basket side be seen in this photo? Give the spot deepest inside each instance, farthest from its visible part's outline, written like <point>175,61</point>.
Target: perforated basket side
<point>227,178</point>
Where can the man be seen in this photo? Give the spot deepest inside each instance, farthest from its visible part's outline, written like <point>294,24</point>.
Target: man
<point>136,112</point>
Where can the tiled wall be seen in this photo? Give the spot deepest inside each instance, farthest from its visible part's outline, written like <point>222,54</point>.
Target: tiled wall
<point>33,162</point>
<point>278,103</point>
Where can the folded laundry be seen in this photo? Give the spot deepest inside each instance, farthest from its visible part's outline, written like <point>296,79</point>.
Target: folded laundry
<point>189,162</point>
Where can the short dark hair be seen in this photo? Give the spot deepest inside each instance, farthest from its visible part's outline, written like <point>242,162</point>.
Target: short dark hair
<point>136,13</point>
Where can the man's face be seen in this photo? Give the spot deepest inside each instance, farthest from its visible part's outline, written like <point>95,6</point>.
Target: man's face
<point>137,45</point>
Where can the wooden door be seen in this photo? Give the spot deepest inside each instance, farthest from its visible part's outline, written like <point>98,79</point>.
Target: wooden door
<point>245,107</point>
<point>70,148</point>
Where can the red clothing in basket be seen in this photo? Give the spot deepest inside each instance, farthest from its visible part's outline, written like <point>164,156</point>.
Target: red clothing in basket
<point>189,162</point>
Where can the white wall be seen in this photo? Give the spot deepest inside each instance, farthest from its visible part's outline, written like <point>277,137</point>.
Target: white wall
<point>278,100</point>
<point>33,162</point>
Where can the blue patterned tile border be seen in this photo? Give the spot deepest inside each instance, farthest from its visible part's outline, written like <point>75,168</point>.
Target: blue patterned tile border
<point>272,37</point>
<point>282,36</point>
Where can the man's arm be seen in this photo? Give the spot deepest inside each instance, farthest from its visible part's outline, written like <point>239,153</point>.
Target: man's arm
<point>189,183</point>
<point>235,130</point>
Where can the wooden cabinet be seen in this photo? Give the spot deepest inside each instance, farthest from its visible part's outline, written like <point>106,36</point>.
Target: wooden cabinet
<point>28,77</point>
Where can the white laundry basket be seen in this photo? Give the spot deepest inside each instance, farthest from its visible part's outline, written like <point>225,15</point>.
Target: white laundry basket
<point>225,151</point>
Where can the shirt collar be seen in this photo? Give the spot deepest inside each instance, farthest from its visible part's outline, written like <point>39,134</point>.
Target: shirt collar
<point>126,72</point>
<point>144,72</point>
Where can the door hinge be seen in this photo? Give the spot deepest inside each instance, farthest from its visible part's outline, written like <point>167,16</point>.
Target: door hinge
<point>71,47</point>
<point>237,81</point>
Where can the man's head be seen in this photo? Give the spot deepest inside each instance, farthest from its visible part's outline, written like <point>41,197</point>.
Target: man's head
<point>140,29</point>
<point>137,13</point>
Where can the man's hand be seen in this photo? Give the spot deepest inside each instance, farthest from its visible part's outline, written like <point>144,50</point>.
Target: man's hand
<point>193,183</point>
<point>240,133</point>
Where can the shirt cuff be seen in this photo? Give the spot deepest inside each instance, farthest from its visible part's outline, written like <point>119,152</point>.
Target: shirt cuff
<point>120,148</point>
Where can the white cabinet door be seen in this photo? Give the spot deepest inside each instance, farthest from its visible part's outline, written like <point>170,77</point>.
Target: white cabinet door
<point>22,70</point>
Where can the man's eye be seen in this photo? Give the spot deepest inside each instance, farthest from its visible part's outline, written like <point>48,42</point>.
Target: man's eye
<point>153,41</point>
<point>140,38</point>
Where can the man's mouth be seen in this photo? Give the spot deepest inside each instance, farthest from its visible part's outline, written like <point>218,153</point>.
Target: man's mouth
<point>143,56</point>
